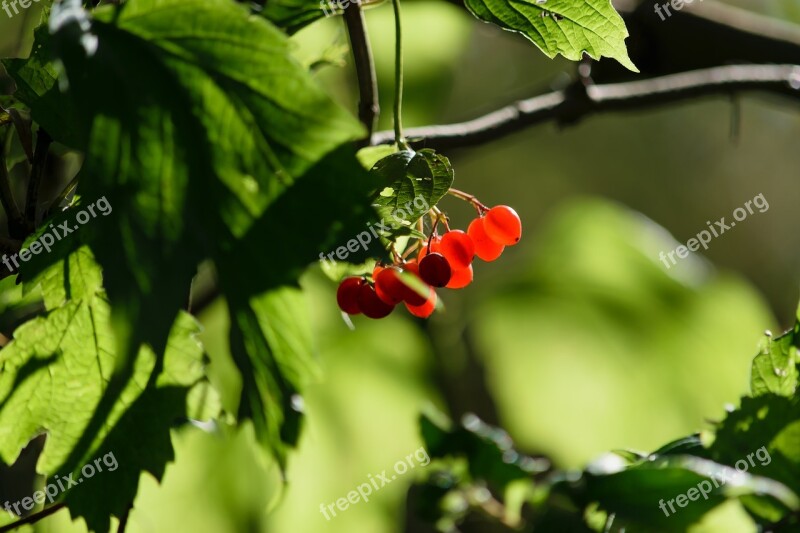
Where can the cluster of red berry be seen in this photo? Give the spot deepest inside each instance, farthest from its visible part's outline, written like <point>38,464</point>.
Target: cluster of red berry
<point>442,261</point>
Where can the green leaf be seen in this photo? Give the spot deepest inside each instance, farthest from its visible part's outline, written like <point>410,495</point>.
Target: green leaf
<point>271,344</point>
<point>52,379</point>
<point>293,15</point>
<point>324,210</point>
<point>763,435</point>
<point>634,494</point>
<point>411,183</point>
<point>206,92</point>
<point>37,87</point>
<point>149,417</point>
<point>567,27</point>
<point>775,366</point>
<point>67,271</point>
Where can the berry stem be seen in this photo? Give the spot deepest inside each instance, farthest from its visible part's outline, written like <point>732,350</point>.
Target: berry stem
<point>398,78</point>
<point>461,195</point>
<point>441,216</point>
<point>396,257</point>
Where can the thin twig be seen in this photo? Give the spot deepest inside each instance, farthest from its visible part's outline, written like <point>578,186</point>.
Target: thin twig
<point>32,519</point>
<point>577,101</point>
<point>398,76</point>
<point>16,224</point>
<point>43,141</point>
<point>368,108</point>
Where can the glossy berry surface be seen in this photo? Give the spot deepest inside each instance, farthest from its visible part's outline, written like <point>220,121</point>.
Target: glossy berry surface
<point>347,295</point>
<point>389,287</point>
<point>460,278</point>
<point>485,248</point>
<point>435,270</point>
<point>457,247</point>
<point>435,246</point>
<point>503,225</point>
<point>370,304</point>
<point>425,309</point>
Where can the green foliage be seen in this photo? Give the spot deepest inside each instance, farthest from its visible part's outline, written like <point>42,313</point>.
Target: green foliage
<point>53,378</point>
<point>413,182</point>
<point>37,87</point>
<point>213,145</point>
<point>753,458</point>
<point>567,27</point>
<point>775,368</point>
<point>292,15</point>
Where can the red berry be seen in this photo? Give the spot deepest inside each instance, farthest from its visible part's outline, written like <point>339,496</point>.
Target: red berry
<point>411,296</point>
<point>411,266</point>
<point>435,270</point>
<point>347,295</point>
<point>377,270</point>
<point>502,225</point>
<point>425,309</point>
<point>485,248</point>
<point>388,285</point>
<point>435,247</point>
<point>370,304</point>
<point>458,248</point>
<point>461,278</point>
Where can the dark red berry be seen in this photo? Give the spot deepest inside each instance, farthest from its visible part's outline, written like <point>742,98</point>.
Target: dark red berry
<point>388,285</point>
<point>502,225</point>
<point>347,295</point>
<point>485,248</point>
<point>457,247</point>
<point>435,270</point>
<point>435,244</point>
<point>370,304</point>
<point>460,278</point>
<point>412,296</point>
<point>425,309</point>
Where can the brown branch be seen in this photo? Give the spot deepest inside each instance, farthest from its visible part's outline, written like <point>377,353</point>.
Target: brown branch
<point>16,224</point>
<point>577,101</point>
<point>368,108</point>
<point>32,519</point>
<point>43,141</point>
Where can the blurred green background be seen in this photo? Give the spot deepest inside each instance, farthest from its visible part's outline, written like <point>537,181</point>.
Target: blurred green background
<point>577,340</point>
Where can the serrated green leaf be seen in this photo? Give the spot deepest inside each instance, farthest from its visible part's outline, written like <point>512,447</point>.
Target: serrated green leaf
<point>51,380</point>
<point>770,422</point>
<point>271,344</point>
<point>571,28</point>
<point>231,109</point>
<point>775,367</point>
<point>411,184</point>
